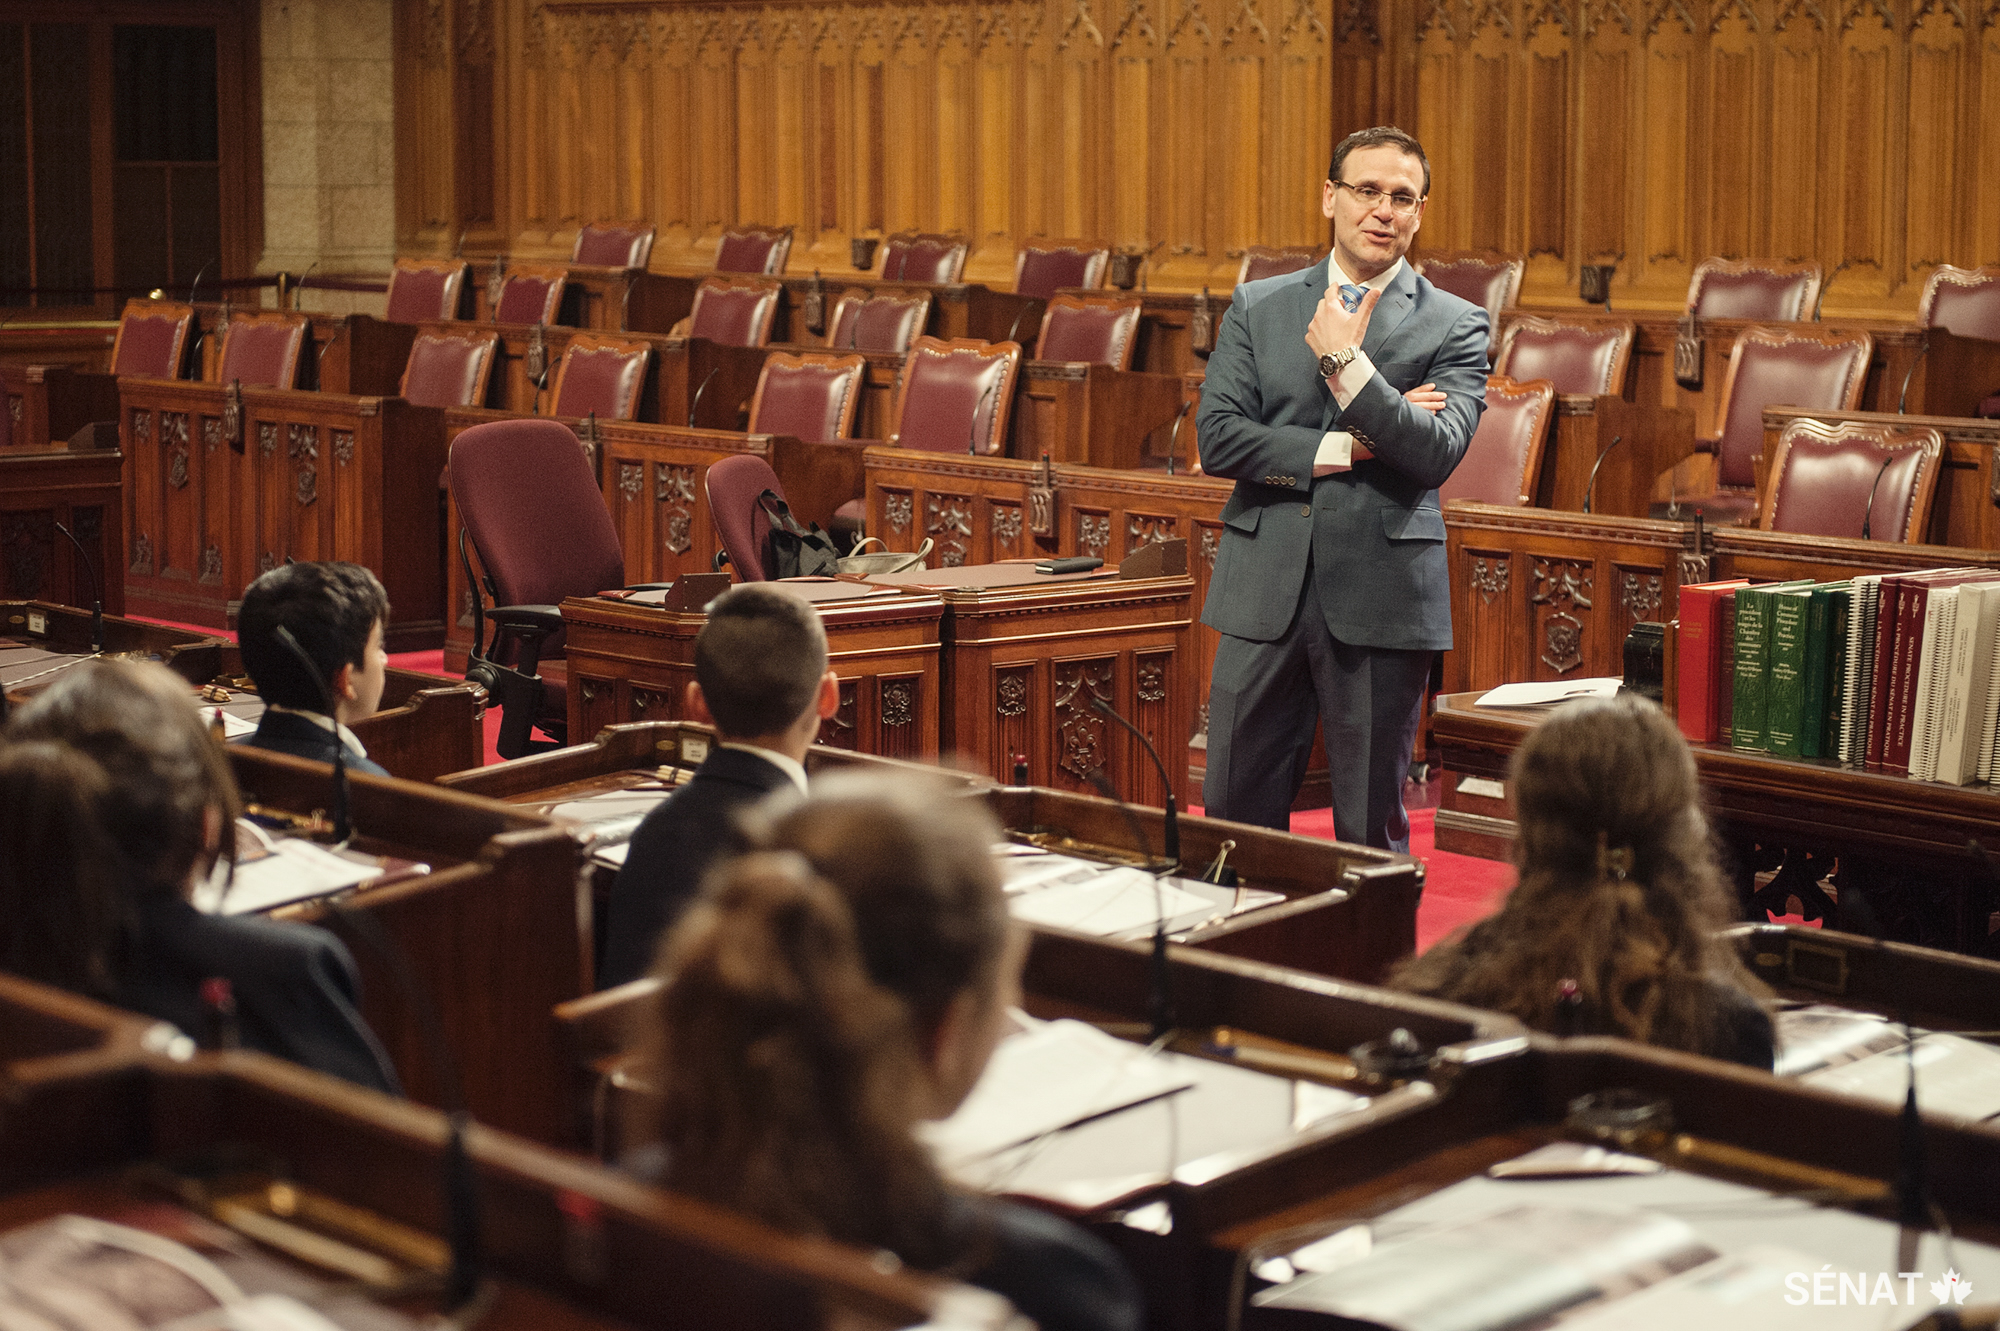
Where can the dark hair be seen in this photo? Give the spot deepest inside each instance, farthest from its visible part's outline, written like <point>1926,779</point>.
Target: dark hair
<point>759,659</point>
<point>331,608</point>
<point>1620,888</point>
<point>1378,137</point>
<point>802,993</point>
<point>106,779</point>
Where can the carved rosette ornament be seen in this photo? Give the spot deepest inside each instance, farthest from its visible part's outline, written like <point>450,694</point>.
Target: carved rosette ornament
<point>631,480</point>
<point>899,702</point>
<point>1010,693</point>
<point>302,446</point>
<point>948,521</point>
<point>211,564</point>
<point>838,730</point>
<point>1211,546</point>
<point>1639,595</point>
<point>142,554</point>
<point>266,562</point>
<point>1093,533</point>
<point>343,447</point>
<point>1152,679</point>
<point>232,414</point>
<point>1142,532</point>
<point>14,409</point>
<point>673,491</point>
<point>1492,577</point>
<point>267,438</point>
<point>896,511</point>
<point>174,436</point>
<point>1079,729</point>
<point>1007,525</point>
<point>142,426</point>
<point>1563,585</point>
<point>211,433</point>
<point>1694,567</point>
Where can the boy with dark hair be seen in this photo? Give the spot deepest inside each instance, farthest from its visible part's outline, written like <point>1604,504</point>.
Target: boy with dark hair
<point>337,612</point>
<point>761,679</point>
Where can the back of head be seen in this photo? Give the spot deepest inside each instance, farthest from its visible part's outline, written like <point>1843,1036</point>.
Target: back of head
<point>759,660</point>
<point>119,810</point>
<point>804,992</point>
<point>331,608</point>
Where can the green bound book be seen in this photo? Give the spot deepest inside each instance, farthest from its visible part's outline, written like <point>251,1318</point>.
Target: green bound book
<point>1784,703</point>
<point>1820,686</point>
<point>1750,704</point>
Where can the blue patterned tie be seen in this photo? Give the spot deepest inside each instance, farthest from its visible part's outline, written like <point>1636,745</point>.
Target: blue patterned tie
<point>1350,296</point>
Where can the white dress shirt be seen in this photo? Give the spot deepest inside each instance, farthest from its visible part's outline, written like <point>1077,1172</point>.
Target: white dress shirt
<point>1336,447</point>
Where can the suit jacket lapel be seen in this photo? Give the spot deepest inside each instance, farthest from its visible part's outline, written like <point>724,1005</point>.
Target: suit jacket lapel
<point>1390,311</point>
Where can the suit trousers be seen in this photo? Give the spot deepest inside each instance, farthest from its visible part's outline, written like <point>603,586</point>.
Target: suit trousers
<point>1264,698</point>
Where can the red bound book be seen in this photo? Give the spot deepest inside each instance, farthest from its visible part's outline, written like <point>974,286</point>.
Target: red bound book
<point>1903,699</point>
<point>1700,663</point>
<point>1887,630</point>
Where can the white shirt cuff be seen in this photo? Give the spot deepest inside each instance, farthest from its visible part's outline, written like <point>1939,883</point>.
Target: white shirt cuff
<point>1336,453</point>
<point>1353,379</point>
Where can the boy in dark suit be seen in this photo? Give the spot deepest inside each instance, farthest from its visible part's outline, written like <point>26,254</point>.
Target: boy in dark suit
<point>761,679</point>
<point>337,612</point>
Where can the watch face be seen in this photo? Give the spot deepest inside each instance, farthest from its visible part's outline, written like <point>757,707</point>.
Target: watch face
<point>1328,367</point>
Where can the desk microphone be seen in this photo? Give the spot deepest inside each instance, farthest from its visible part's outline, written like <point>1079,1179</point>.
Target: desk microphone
<point>343,826</point>
<point>1868,513</point>
<point>1015,327</point>
<point>1913,1208</point>
<point>1590,486</point>
<point>1172,839</point>
<point>1820,299</point>
<point>1159,975</point>
<point>96,601</point>
<point>300,285</point>
<point>196,284</point>
<point>694,403</point>
<point>972,428</point>
<point>902,262</point>
<point>1903,398</point>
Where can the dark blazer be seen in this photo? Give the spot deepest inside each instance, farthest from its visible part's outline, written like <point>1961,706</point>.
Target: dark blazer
<point>296,988</point>
<point>1062,1277</point>
<point>301,737</point>
<point>1373,535</point>
<point>671,851</point>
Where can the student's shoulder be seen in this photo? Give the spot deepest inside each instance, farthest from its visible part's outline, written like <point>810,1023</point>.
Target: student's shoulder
<point>1063,1277</point>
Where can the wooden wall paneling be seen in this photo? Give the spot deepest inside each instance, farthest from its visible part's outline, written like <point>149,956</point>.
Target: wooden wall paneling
<point>1664,254</point>
<point>998,153</point>
<point>1937,199</point>
<point>955,138</point>
<point>1733,153</point>
<point>1489,129</point>
<point>1242,71</point>
<point>1440,106</point>
<point>1864,148</point>
<point>1186,132</point>
<point>1134,120</point>
<point>1607,191</point>
<point>1797,79</point>
<point>1985,214</point>
<point>1543,154</point>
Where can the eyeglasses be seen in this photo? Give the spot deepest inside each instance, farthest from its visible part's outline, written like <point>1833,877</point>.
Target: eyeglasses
<point>1402,205</point>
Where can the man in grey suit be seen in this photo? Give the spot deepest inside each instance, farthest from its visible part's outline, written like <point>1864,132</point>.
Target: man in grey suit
<point>1330,586</point>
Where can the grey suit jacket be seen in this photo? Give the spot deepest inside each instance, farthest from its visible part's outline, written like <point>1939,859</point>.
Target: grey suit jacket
<point>1375,533</point>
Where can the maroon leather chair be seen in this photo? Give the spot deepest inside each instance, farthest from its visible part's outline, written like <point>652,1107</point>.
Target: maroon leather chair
<point>884,319</point>
<point>754,249</point>
<point>1853,480</point>
<point>1965,301</point>
<point>735,311</point>
<point>601,376</point>
<point>1771,290</point>
<point>1261,261</point>
<point>531,510</point>
<point>1580,359</point>
<point>421,289</point>
<point>956,395</point>
<point>1099,329</point>
<point>733,487</point>
<point>262,350</point>
<point>1490,281</point>
<point>152,338</point>
<point>1503,463</point>
<point>531,293</point>
<point>608,245</point>
<point>449,369</point>
<point>1807,366</point>
<point>915,256</point>
<point>1041,268</point>
<point>809,396</point>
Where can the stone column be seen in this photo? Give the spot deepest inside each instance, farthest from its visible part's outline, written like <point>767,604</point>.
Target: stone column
<point>329,144</point>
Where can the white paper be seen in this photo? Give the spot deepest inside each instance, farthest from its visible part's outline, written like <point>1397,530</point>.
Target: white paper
<point>1115,902</point>
<point>1535,693</point>
<point>1954,1076</point>
<point>284,870</point>
<point>611,806</point>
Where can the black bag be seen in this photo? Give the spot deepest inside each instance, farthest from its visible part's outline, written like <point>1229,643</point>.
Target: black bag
<point>795,551</point>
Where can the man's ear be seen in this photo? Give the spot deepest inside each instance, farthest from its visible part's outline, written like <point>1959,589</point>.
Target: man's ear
<point>697,706</point>
<point>342,684</point>
<point>829,694</point>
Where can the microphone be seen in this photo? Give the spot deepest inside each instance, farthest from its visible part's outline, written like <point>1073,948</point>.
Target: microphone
<point>96,601</point>
<point>1868,513</point>
<point>1903,398</point>
<point>972,427</point>
<point>343,826</point>
<point>1172,846</point>
<point>1015,327</point>
<point>1820,299</point>
<point>299,285</point>
<point>902,261</point>
<point>1912,1196</point>
<point>1590,486</point>
<point>458,250</point>
<point>196,285</point>
<point>695,401</point>
<point>1159,979</point>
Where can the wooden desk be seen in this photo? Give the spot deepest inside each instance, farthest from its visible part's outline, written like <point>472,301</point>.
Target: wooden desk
<point>343,353</point>
<point>1902,842</point>
<point>1941,991</point>
<point>1073,411</point>
<point>595,297</point>
<point>1776,556</point>
<point>82,491</point>
<point>495,933</point>
<point>524,363</point>
<point>730,375</point>
<point>958,309</point>
<point>85,343</point>
<point>311,476</point>
<point>1964,510</point>
<point>1166,344</point>
<point>1635,444</point>
<point>46,402</point>
<point>634,662</point>
<point>196,657</point>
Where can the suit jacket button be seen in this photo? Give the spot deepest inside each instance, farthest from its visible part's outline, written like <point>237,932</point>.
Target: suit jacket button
<point>1305,510</point>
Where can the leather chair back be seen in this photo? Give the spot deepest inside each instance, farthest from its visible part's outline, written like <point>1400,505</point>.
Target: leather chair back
<point>956,395</point>
<point>914,256</point>
<point>606,245</point>
<point>1580,359</point>
<point>1041,268</point>
<point>733,486</point>
<point>1490,281</point>
<point>262,350</point>
<point>1261,261</point>
<point>1826,478</point>
<point>152,338</point>
<point>1768,289</point>
<point>421,289</point>
<point>529,500</point>
<point>735,311</point>
<point>1808,367</point>
<point>1099,329</point>
<point>1503,463</point>
<point>885,319</point>
<point>754,249</point>
<point>810,396</point>
<point>601,375</point>
<point>449,369</point>
<point>531,294</point>
<point>1965,301</point>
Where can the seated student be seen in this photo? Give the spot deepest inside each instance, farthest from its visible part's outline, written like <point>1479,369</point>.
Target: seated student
<point>830,990</point>
<point>337,612</point>
<point>1620,895</point>
<point>761,679</point>
<point>114,804</point>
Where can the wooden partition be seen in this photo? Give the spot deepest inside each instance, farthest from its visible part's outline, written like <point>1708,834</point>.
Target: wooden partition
<point>343,353</point>
<point>1964,510</point>
<point>82,492</point>
<point>221,485</point>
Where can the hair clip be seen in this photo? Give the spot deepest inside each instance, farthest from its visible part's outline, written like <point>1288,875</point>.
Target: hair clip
<point>1615,862</point>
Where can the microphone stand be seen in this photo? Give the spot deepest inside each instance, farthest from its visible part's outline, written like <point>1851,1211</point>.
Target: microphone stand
<point>1868,513</point>
<point>343,826</point>
<point>1159,1001</point>
<point>1913,1211</point>
<point>972,427</point>
<point>96,600</point>
<point>1590,486</point>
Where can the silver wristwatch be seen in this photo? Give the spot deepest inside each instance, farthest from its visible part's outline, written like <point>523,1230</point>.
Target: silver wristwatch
<point>1332,364</point>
